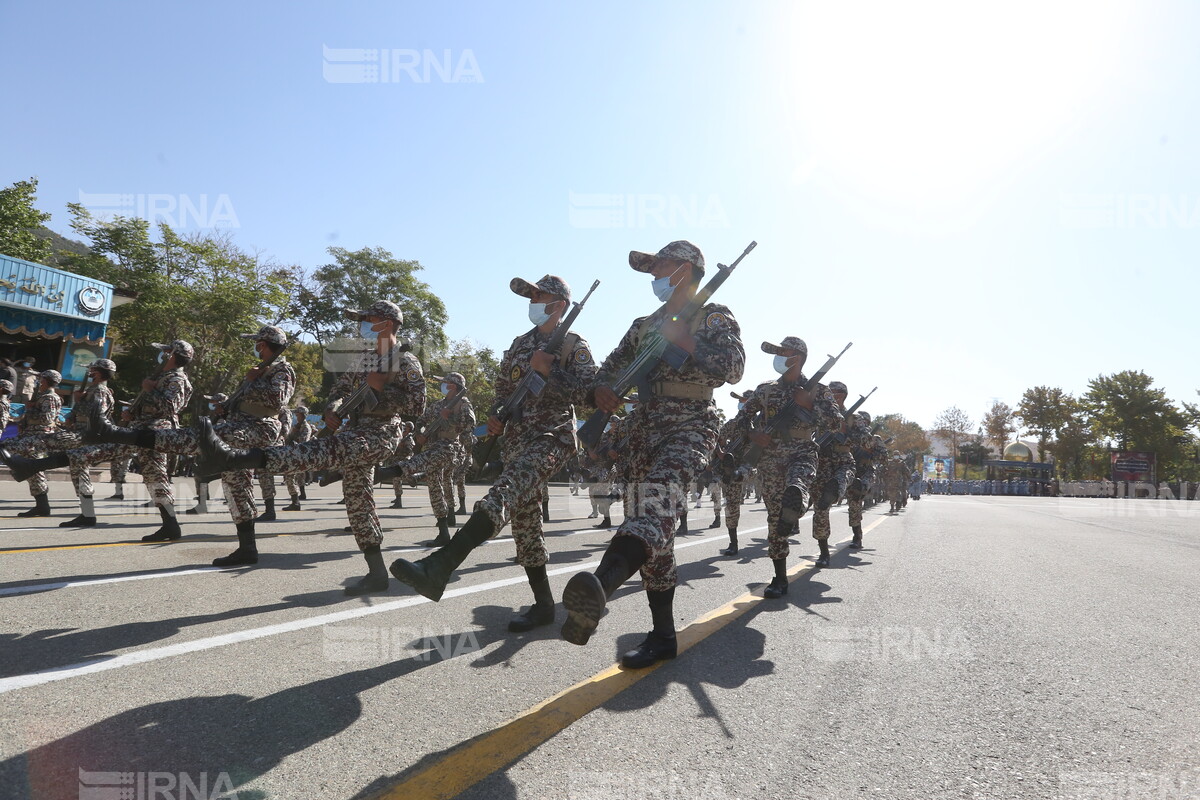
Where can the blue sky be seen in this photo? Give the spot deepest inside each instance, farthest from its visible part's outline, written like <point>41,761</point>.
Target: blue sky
<point>983,198</point>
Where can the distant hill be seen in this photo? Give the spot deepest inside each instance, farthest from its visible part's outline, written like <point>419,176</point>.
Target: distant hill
<point>61,243</point>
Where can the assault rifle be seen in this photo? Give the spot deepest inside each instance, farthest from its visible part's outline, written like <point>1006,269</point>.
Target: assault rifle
<point>838,436</point>
<point>654,349</point>
<point>363,398</point>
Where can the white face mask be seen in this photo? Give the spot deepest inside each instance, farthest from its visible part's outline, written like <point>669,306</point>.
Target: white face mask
<point>538,313</point>
<point>662,286</point>
<point>780,364</point>
<point>629,408</point>
<point>254,350</point>
<point>212,406</point>
<point>366,330</point>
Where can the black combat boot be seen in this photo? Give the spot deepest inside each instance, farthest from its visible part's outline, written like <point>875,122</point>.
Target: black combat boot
<point>119,493</point>
<point>716,523</point>
<point>546,510</point>
<point>41,507</point>
<point>683,526</point>
<point>542,611</point>
<point>778,586</point>
<point>376,579</point>
<point>823,559</point>
<point>303,494</point>
<point>430,575</point>
<point>216,457</point>
<point>398,503</point>
<point>660,643</point>
<point>329,476</point>
<point>170,530</point>
<point>87,514</point>
<point>443,536</point>
<point>462,505</point>
<point>451,519</point>
<point>246,552</point>
<point>587,593</point>
<point>732,550</point>
<point>201,506</point>
<point>603,524</point>
<point>25,468</point>
<point>829,495</point>
<point>294,505</point>
<point>101,430</point>
<point>269,514</point>
<point>856,542</point>
<point>793,504</point>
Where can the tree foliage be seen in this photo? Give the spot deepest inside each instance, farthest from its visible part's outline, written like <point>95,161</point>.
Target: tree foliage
<point>1044,411</point>
<point>999,426</point>
<point>954,425</point>
<point>20,221</point>
<point>908,437</point>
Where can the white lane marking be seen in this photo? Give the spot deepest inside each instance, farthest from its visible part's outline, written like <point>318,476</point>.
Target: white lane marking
<point>168,651</point>
<point>32,588</point>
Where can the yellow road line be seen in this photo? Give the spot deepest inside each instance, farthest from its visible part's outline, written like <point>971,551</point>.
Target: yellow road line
<point>471,762</point>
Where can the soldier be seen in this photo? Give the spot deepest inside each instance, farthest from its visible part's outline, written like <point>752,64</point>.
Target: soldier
<point>789,462</point>
<point>869,452</point>
<point>734,484</point>
<point>406,450</point>
<point>672,434</point>
<point>606,458</point>
<point>467,439</point>
<point>216,411</point>
<point>441,425</point>
<point>26,385</point>
<point>392,376</point>
<point>538,440</point>
<point>6,390</point>
<point>118,468</point>
<point>835,471</point>
<point>897,482</point>
<point>26,453</point>
<point>266,481</point>
<point>302,431</point>
<point>7,373</point>
<point>90,401</point>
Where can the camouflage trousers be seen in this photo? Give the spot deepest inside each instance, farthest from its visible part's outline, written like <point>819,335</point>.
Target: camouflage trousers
<point>455,477</point>
<point>601,491</point>
<point>118,469</point>
<point>460,475</point>
<point>855,495</point>
<point>37,445</point>
<point>659,469</point>
<point>238,485</point>
<point>354,451</point>
<point>785,464</point>
<point>714,492</point>
<point>735,493</point>
<point>897,490</point>
<point>398,487</point>
<point>435,461</point>
<point>294,482</point>
<point>834,467</point>
<point>516,496</point>
<point>266,482</point>
<point>153,465</point>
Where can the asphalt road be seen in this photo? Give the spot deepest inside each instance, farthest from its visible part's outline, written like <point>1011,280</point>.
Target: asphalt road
<point>977,648</point>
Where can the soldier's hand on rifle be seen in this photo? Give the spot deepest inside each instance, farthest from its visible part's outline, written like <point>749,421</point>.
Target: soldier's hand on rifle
<point>255,374</point>
<point>377,380</point>
<point>804,398</point>
<point>607,400</point>
<point>541,362</point>
<point>420,439</point>
<point>495,426</point>
<point>678,333</point>
<point>445,413</point>
<point>760,438</point>
<point>332,421</point>
<point>126,417</point>
<point>149,385</point>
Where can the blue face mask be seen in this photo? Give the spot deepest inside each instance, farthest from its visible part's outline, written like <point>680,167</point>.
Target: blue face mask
<point>629,408</point>
<point>662,288</point>
<point>162,356</point>
<point>538,314</point>
<point>741,406</point>
<point>212,406</point>
<point>445,388</point>
<point>366,330</point>
<point>780,364</point>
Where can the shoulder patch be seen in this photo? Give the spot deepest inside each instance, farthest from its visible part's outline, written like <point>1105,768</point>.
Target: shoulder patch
<point>716,321</point>
<point>413,376</point>
<point>583,356</point>
<point>515,375</point>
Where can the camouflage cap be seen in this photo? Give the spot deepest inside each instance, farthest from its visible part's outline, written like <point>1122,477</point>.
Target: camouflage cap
<point>788,343</point>
<point>409,427</point>
<point>301,410</point>
<point>6,386</point>
<point>380,308</point>
<point>269,334</point>
<point>179,346</point>
<point>741,398</point>
<point>679,251</point>
<point>837,387</point>
<point>865,417</point>
<point>548,283</point>
<point>104,363</point>
<point>218,398</point>
<point>52,375</point>
<point>452,377</point>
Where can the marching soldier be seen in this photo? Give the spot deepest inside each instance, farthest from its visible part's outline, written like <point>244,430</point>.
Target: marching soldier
<point>36,429</point>
<point>302,431</point>
<point>216,412</point>
<point>26,385</point>
<point>897,482</point>
<point>606,458</point>
<point>406,450</point>
<point>392,376</point>
<point>538,440</point>
<point>266,481</point>
<point>789,462</point>
<point>467,440</point>
<point>6,390</point>
<point>672,434</point>
<point>734,484</point>
<point>835,471</point>
<point>869,452</point>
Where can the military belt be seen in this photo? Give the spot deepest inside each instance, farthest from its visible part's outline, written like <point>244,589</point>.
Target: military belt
<point>683,391</point>
<point>258,409</point>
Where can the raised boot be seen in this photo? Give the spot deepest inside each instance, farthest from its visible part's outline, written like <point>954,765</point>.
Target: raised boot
<point>856,542</point>
<point>376,579</point>
<point>443,537</point>
<point>542,611</point>
<point>732,550</point>
<point>87,514</point>
<point>170,530</point>
<point>330,476</point>
<point>215,457</point>
<point>660,644</point>
<point>269,514</point>
<point>247,550</point>
<point>793,504</point>
<point>25,468</point>
<point>778,586</point>
<point>587,593</point>
<point>41,507</point>
<point>823,559</point>
<point>101,430</point>
<point>430,575</point>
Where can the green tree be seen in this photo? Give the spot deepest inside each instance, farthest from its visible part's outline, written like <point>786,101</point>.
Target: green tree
<point>1125,406</point>
<point>954,425</point>
<point>20,221</point>
<point>998,425</point>
<point>478,366</point>
<point>1045,411</point>
<point>908,437</point>
<point>972,453</point>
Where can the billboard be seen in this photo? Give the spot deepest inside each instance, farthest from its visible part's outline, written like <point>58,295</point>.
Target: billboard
<point>937,468</point>
<point>1128,465</point>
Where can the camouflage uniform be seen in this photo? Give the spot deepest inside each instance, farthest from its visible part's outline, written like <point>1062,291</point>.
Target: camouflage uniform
<point>672,431</point>
<point>537,441</point>
<point>26,385</point>
<point>301,432</point>
<point>406,450</point>
<point>734,486</point>
<point>266,481</point>
<point>5,403</point>
<point>606,472</point>
<point>98,400</point>
<point>791,459</point>
<point>835,473</point>
<point>368,439</point>
<point>438,455</point>
<point>869,452</point>
<point>896,480</point>
<point>38,428</point>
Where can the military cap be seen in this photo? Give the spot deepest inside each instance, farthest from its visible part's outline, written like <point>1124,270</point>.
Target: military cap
<point>409,427</point>
<point>452,377</point>
<point>679,251</point>
<point>52,375</point>
<point>177,347</point>
<point>380,308</point>
<point>218,398</point>
<point>6,386</point>
<point>837,387</point>
<point>865,417</point>
<point>104,363</point>
<point>788,343</point>
<point>269,334</point>
<point>301,410</point>
<point>548,283</point>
